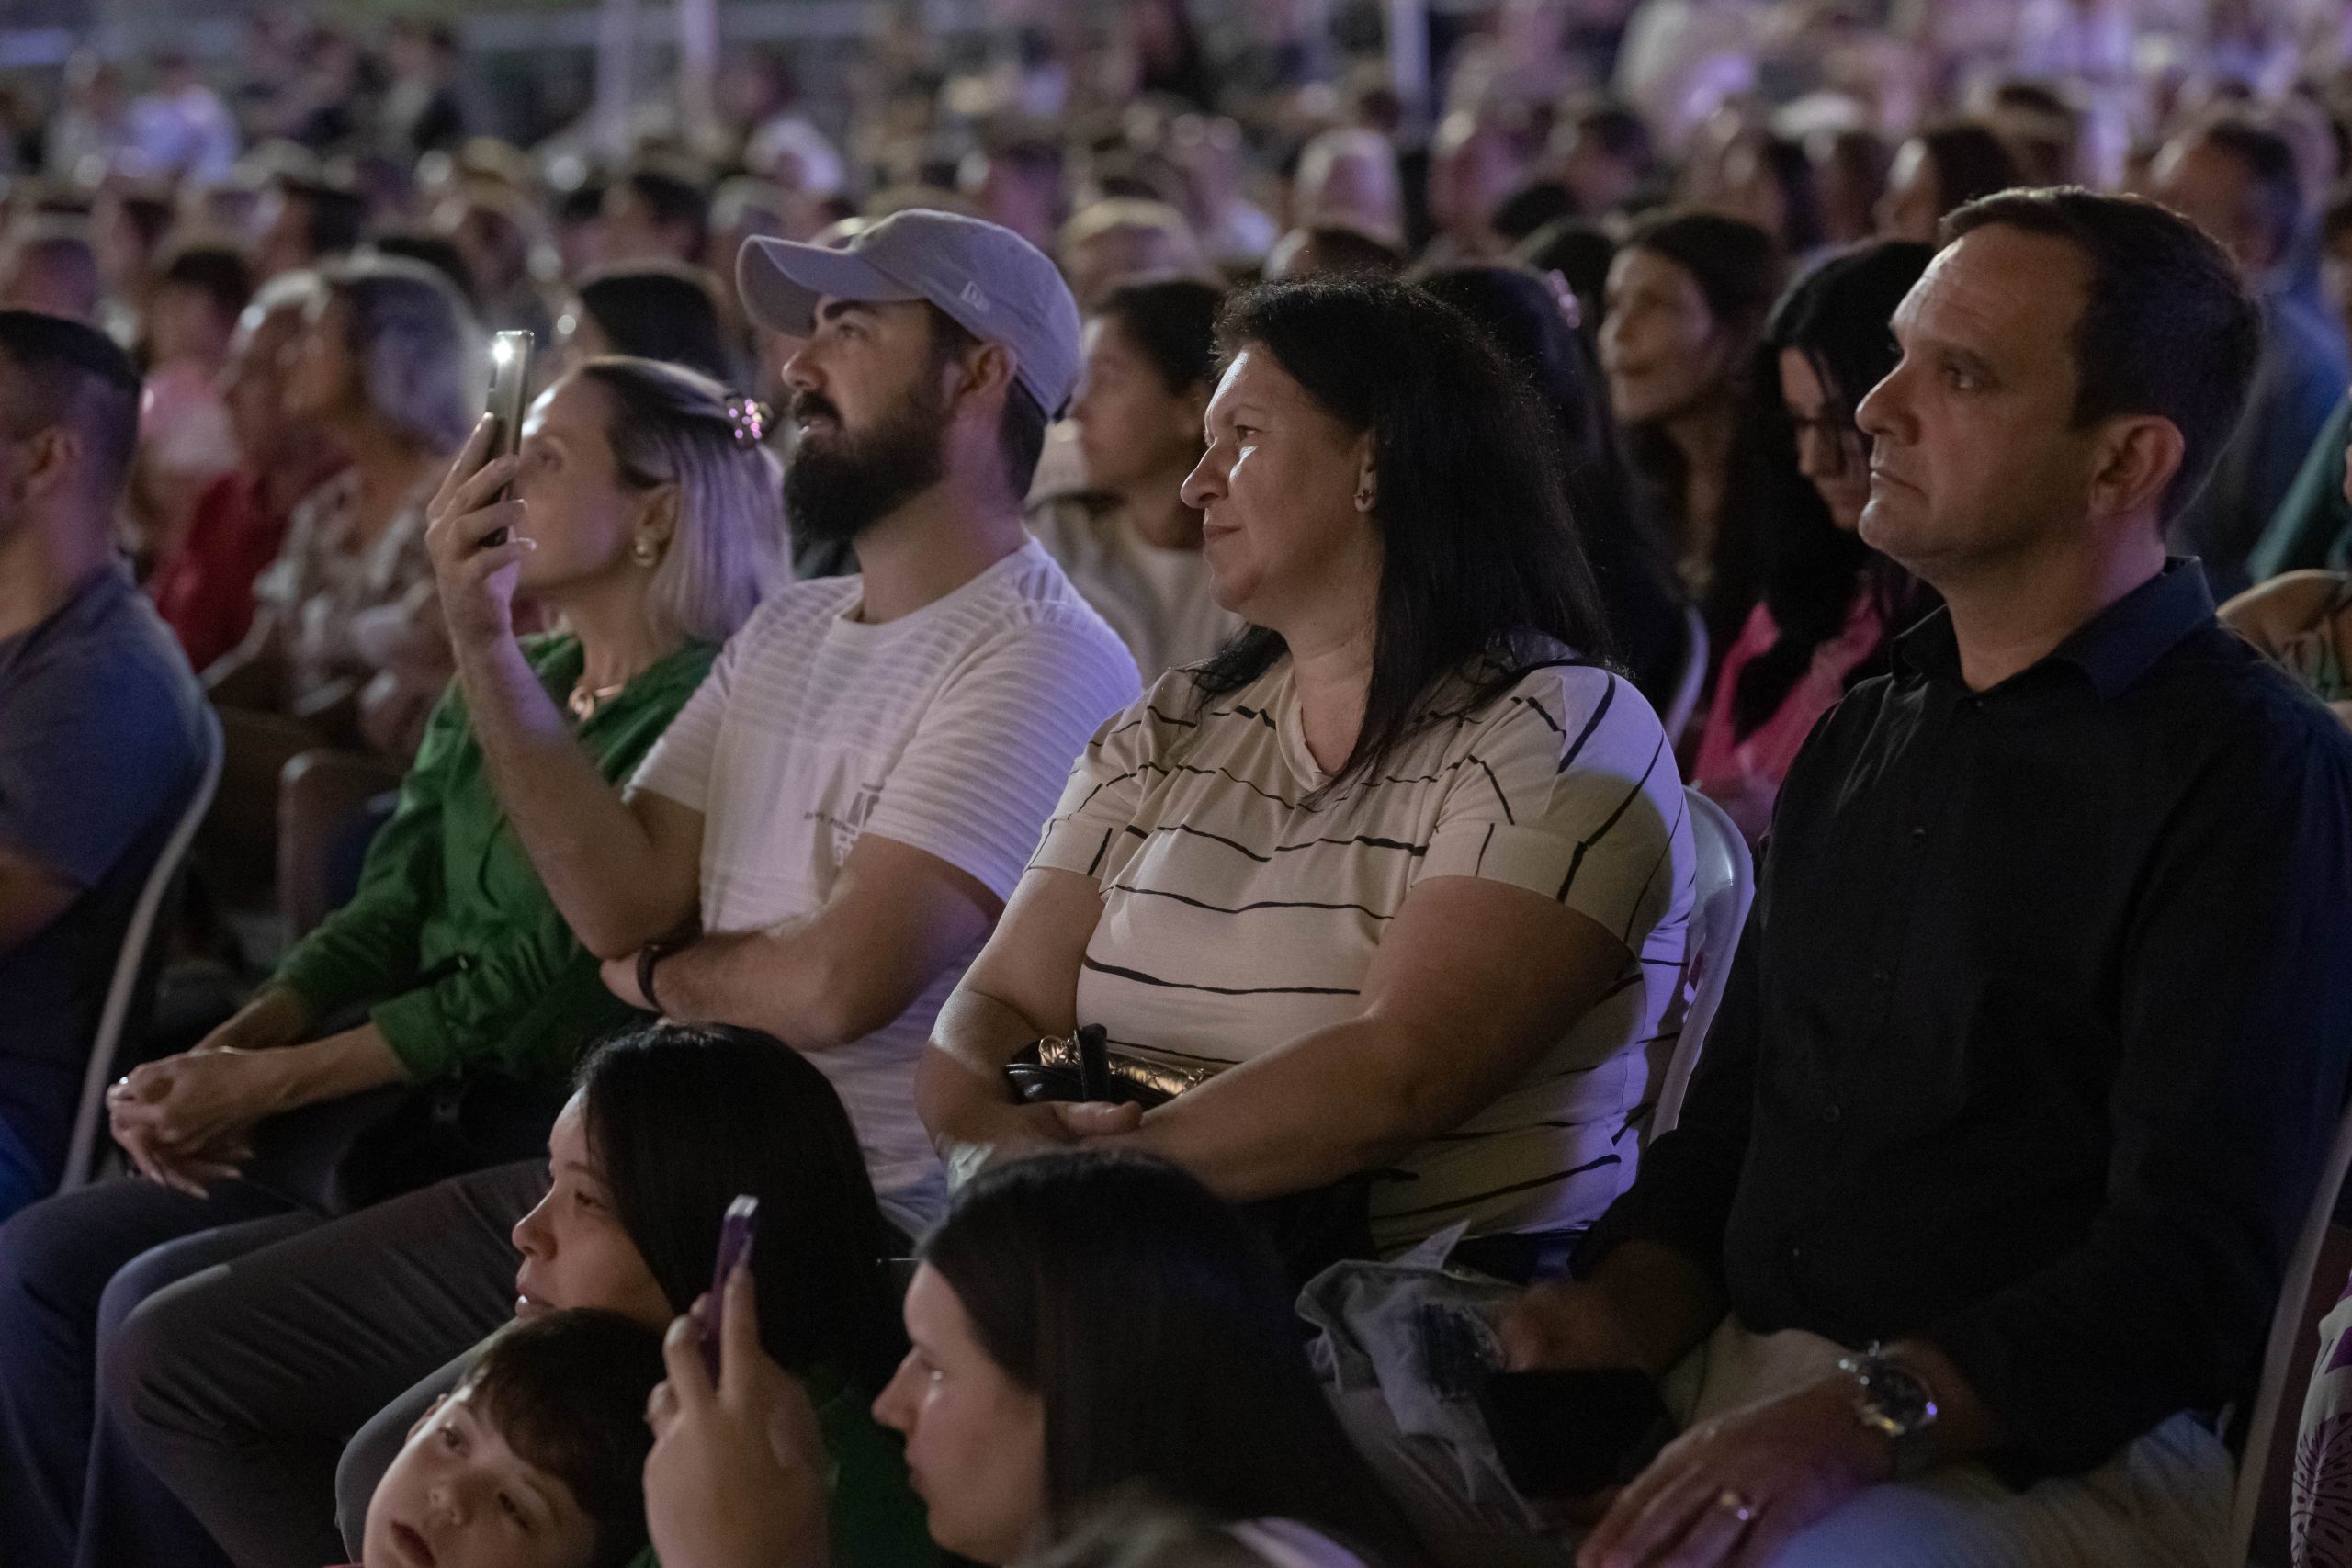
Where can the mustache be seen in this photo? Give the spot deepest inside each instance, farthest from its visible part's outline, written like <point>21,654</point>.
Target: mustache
<point>807,406</point>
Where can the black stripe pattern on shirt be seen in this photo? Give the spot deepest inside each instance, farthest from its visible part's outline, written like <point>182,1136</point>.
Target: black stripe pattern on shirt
<point>1141,979</point>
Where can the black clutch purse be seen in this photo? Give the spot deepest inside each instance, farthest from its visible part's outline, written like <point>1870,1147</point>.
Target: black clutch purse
<point>1308,1231</point>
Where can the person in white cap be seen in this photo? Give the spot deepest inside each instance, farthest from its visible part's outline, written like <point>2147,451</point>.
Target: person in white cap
<point>851,797</point>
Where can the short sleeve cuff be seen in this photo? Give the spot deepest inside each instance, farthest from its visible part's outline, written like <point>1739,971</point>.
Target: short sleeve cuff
<point>1074,844</point>
<point>1595,880</point>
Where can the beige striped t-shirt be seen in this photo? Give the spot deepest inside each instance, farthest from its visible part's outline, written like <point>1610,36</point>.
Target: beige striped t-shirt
<point>1239,915</point>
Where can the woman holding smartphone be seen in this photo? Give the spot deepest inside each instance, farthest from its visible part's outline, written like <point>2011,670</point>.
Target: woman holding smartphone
<point>432,1025</point>
<point>1083,1326</point>
<point>669,1127</point>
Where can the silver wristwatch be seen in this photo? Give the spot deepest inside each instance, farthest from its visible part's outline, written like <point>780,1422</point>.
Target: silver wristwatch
<point>1894,1402</point>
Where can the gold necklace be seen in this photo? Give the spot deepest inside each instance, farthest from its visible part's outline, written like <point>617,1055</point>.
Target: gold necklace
<point>583,702</point>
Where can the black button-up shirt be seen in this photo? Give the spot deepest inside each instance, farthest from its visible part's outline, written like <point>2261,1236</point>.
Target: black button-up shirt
<point>2038,1035</point>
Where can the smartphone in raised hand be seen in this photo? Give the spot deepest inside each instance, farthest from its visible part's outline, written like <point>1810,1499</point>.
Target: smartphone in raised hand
<point>736,1233</point>
<point>509,383</point>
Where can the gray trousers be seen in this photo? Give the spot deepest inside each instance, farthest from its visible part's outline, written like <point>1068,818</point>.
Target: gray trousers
<point>240,1385</point>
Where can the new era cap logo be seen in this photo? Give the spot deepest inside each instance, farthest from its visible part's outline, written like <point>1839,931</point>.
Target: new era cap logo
<point>972,295</point>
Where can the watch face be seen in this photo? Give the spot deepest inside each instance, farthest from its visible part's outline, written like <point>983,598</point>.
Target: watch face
<point>1893,1398</point>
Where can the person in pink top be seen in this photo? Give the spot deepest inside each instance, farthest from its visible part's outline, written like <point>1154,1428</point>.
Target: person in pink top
<point>1831,604</point>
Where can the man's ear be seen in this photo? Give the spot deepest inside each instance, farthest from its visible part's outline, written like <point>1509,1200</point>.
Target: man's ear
<point>987,369</point>
<point>2138,459</point>
<point>52,464</point>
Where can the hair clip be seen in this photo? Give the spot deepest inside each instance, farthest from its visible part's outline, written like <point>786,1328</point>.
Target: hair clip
<point>750,417</point>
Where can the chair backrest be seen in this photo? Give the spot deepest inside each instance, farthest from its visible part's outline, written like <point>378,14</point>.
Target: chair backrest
<point>1725,886</point>
<point>131,963</point>
<point>2294,1324</point>
<point>1693,679</point>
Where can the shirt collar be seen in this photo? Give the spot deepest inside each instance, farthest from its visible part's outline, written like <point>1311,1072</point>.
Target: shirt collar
<point>2112,650</point>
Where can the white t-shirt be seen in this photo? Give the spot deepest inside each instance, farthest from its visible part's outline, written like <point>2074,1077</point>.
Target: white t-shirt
<point>950,729</point>
<point>1157,600</point>
<point>1241,909</point>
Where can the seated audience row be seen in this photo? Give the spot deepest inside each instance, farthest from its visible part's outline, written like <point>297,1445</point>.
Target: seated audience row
<point>1358,931</point>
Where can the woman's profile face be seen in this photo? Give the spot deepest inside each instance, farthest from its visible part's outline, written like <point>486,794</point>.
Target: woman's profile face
<point>1130,426</point>
<point>1661,345</point>
<point>322,377</point>
<point>575,1252</point>
<point>1830,452</point>
<point>581,517</point>
<point>1285,543</point>
<point>976,1439</point>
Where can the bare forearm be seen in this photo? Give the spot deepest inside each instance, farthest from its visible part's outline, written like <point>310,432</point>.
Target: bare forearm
<point>592,854</point>
<point>959,1084</point>
<point>797,982</point>
<point>334,1068</point>
<point>276,1016</point>
<point>1327,1105</point>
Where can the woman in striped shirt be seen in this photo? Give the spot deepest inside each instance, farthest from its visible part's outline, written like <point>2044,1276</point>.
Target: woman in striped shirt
<point>1399,881</point>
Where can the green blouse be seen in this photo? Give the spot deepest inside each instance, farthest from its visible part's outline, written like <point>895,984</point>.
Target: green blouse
<point>877,1520</point>
<point>451,938</point>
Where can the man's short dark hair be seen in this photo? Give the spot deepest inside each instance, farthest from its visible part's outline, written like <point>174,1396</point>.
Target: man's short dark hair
<point>2167,327</point>
<point>1340,249</point>
<point>217,272</point>
<point>1020,434</point>
<point>674,201</point>
<point>73,376</point>
<point>567,1392</point>
<point>1619,132</point>
<point>2269,161</point>
<point>334,215</point>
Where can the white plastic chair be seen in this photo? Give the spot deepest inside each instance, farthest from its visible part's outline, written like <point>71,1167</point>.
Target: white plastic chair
<point>130,963</point>
<point>1693,681</point>
<point>1725,886</point>
<point>2292,1323</point>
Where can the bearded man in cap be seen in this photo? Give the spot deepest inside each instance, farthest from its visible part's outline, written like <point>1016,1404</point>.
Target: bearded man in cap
<point>816,848</point>
<point>852,794</point>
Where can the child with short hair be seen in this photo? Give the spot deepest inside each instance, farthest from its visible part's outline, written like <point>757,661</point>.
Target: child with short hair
<point>536,1460</point>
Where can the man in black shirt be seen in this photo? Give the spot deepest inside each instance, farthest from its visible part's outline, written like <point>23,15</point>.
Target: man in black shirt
<point>2038,1035</point>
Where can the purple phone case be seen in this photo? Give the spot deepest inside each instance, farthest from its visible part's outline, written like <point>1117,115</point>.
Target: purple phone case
<point>735,1234</point>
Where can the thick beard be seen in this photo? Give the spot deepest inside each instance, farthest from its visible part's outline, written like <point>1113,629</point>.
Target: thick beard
<point>838,487</point>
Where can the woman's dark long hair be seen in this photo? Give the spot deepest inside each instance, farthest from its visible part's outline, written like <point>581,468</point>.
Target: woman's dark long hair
<point>686,1120</point>
<point>1737,268</point>
<point>1838,316</point>
<point>1790,168</point>
<point>1520,313</point>
<point>1480,560</point>
<point>1154,1326</point>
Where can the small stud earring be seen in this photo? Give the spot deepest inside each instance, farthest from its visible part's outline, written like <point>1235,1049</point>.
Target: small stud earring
<point>1363,501</point>
<point>644,552</point>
